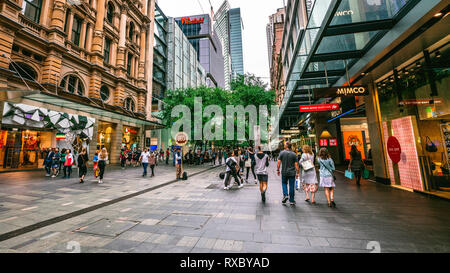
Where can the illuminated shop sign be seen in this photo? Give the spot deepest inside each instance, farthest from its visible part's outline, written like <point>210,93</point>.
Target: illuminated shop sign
<point>347,91</point>
<point>333,142</point>
<point>188,21</point>
<point>421,101</point>
<point>323,142</point>
<point>344,13</point>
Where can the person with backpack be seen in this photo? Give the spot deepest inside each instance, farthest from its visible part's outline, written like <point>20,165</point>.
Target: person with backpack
<point>309,176</point>
<point>262,163</point>
<point>82,164</point>
<point>231,171</point>
<point>326,175</point>
<point>356,164</point>
<point>68,163</point>
<point>250,164</point>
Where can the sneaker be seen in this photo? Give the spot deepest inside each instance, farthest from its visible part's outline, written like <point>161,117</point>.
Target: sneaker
<point>292,203</point>
<point>53,176</point>
<point>284,200</point>
<point>100,181</point>
<point>256,181</point>
<point>47,174</point>
<point>225,188</point>
<point>240,186</point>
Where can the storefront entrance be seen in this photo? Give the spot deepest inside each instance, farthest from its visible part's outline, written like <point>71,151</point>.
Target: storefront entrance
<point>131,138</point>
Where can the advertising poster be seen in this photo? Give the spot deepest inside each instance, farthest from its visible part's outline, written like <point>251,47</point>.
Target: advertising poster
<point>353,138</point>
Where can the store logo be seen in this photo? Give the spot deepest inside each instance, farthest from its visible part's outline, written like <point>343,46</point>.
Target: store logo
<point>344,13</point>
<point>188,21</point>
<point>358,90</point>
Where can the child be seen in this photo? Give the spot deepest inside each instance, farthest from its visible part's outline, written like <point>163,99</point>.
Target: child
<point>96,170</point>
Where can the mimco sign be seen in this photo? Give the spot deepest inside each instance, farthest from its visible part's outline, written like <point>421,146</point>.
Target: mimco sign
<point>352,91</point>
<point>344,91</point>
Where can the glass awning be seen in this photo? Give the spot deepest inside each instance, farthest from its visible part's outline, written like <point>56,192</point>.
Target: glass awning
<point>338,34</point>
<point>69,104</point>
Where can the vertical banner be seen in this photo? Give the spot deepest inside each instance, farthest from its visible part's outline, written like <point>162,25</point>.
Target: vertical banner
<point>257,132</point>
<point>353,138</point>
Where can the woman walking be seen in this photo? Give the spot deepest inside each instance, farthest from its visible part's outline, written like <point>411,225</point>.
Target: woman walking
<point>82,164</point>
<point>262,162</point>
<point>326,175</point>
<point>356,164</point>
<point>309,176</point>
<point>152,163</point>
<point>250,162</point>
<point>56,163</point>
<point>68,162</point>
<point>102,159</point>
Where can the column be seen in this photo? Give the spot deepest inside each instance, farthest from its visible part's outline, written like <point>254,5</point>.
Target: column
<point>144,7</point>
<point>83,33</point>
<point>376,136</point>
<point>113,53</point>
<point>51,70</point>
<point>142,49</point>
<point>97,42</point>
<point>119,94</point>
<point>89,38</point>
<point>122,37</point>
<point>95,83</point>
<point>69,27</point>
<point>58,15</point>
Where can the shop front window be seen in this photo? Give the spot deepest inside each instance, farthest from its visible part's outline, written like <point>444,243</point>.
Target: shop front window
<point>415,109</point>
<point>131,139</point>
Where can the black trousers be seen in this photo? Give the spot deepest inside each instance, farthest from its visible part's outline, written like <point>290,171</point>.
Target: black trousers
<point>101,166</point>
<point>358,175</point>
<point>253,171</point>
<point>153,169</point>
<point>82,171</point>
<point>67,171</point>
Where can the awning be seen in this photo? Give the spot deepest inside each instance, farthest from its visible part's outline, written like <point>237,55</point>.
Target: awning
<point>94,110</point>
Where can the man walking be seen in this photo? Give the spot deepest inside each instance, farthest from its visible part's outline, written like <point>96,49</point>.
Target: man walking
<point>290,171</point>
<point>144,160</point>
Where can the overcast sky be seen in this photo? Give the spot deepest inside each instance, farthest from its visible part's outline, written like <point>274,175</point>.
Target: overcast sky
<point>255,15</point>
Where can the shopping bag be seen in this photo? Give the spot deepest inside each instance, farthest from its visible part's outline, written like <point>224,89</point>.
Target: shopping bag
<point>349,174</point>
<point>366,174</point>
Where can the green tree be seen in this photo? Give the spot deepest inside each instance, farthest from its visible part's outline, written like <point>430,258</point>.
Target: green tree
<point>246,90</point>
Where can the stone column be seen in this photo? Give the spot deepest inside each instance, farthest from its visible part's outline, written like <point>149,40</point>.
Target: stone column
<point>58,15</point>
<point>83,33</point>
<point>122,37</point>
<point>113,56</point>
<point>97,42</point>
<point>142,49</point>
<point>89,38</point>
<point>94,85</point>
<point>144,7</point>
<point>51,70</point>
<point>69,27</point>
<point>119,94</point>
<point>6,41</point>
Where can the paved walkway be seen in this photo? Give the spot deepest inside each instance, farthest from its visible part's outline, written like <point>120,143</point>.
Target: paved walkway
<point>199,216</point>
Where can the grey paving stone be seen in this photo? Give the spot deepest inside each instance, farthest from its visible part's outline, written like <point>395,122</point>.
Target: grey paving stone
<point>122,245</point>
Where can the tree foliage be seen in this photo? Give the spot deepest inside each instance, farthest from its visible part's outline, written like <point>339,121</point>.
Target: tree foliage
<point>246,90</point>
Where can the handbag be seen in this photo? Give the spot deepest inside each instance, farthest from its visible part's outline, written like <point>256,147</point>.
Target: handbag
<point>366,174</point>
<point>430,147</point>
<point>307,165</point>
<point>248,163</point>
<point>349,174</point>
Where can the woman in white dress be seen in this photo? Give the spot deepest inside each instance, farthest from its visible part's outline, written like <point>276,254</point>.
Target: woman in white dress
<point>309,175</point>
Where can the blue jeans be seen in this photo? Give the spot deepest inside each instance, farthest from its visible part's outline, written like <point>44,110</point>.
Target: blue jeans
<point>284,183</point>
<point>145,165</point>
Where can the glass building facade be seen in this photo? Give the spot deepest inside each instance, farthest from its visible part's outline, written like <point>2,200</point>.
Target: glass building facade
<point>207,45</point>
<point>237,56</point>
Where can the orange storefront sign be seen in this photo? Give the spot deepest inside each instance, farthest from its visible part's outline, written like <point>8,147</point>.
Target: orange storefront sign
<point>353,138</point>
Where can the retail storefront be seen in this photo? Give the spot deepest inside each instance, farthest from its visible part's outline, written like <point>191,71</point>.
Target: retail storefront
<point>28,132</point>
<point>415,110</point>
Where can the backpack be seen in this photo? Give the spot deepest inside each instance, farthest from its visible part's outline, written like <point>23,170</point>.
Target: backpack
<point>185,176</point>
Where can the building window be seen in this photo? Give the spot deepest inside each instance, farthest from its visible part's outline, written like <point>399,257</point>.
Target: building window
<point>104,93</point>
<point>23,70</point>
<point>72,84</point>
<point>130,105</point>
<point>130,57</point>
<point>76,30</point>
<point>131,31</point>
<point>86,35</point>
<point>107,50</point>
<point>32,9</point>
<point>110,13</point>
<point>66,22</point>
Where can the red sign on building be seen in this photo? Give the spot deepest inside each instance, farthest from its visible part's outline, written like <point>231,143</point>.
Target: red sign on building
<point>319,107</point>
<point>188,21</point>
<point>323,142</point>
<point>333,142</point>
<point>394,149</point>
